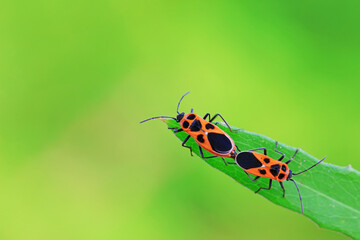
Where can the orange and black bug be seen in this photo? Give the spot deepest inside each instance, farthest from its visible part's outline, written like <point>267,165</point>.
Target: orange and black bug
<point>263,166</point>
<point>206,134</point>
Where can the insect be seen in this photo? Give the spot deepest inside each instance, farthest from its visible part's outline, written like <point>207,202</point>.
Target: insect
<point>206,134</point>
<point>263,166</point>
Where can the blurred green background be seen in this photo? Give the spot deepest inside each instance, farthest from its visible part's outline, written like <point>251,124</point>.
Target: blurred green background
<point>76,77</point>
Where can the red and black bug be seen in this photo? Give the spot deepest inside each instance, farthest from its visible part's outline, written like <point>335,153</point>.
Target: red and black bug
<point>206,134</point>
<point>263,166</point>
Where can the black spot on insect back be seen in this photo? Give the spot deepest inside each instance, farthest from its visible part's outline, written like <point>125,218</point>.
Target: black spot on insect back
<point>185,124</point>
<point>247,160</point>
<point>191,117</point>
<point>195,126</point>
<point>275,169</point>
<point>281,176</point>
<point>283,168</point>
<point>219,142</point>
<point>200,138</point>
<point>209,126</point>
<point>266,160</point>
<point>262,171</point>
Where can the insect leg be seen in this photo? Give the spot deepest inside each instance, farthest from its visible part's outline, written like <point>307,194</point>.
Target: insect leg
<point>207,115</point>
<point>252,179</point>
<point>202,156</point>
<point>176,130</point>
<point>282,154</point>
<point>183,144</point>
<point>282,186</point>
<point>265,152</point>
<point>270,182</point>
<point>233,163</point>
<point>212,119</point>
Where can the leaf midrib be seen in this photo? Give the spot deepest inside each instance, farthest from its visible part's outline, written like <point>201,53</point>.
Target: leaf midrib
<point>334,200</point>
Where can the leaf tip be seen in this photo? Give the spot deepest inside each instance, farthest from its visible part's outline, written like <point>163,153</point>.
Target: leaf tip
<point>164,120</point>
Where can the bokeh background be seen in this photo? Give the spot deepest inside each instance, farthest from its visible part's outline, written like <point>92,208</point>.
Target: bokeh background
<point>76,77</point>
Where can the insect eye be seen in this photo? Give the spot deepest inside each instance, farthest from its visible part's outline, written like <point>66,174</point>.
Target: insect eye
<point>179,117</point>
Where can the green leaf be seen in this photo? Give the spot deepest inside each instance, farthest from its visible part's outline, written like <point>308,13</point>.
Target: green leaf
<point>331,194</point>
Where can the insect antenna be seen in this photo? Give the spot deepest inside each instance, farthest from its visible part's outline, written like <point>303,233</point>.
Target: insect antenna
<point>302,208</point>
<point>309,167</point>
<point>177,110</point>
<point>156,118</point>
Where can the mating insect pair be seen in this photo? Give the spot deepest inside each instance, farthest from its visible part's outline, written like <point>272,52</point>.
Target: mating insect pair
<point>211,138</point>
